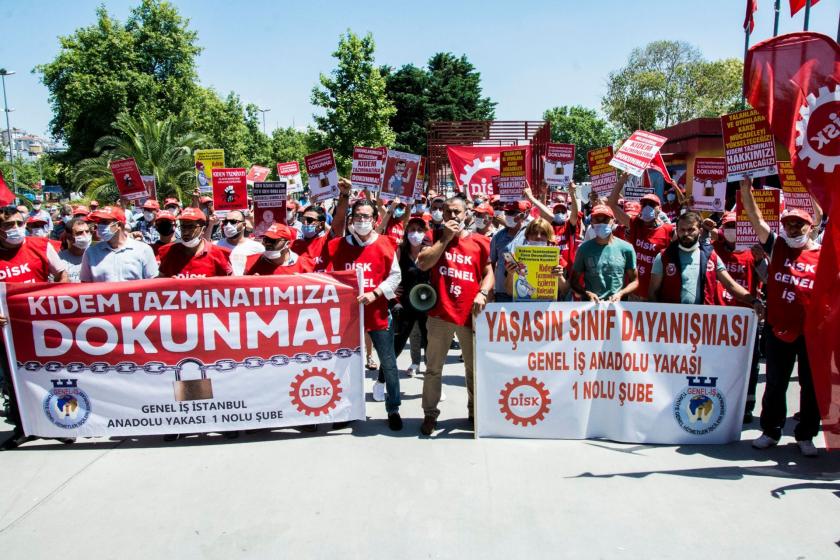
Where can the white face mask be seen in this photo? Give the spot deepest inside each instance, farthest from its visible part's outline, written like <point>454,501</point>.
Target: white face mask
<point>362,228</point>
<point>690,249</point>
<point>16,235</point>
<point>795,242</point>
<point>192,243</point>
<point>272,255</point>
<point>230,230</point>
<point>82,241</point>
<point>290,216</point>
<point>480,223</point>
<point>510,221</point>
<point>148,216</point>
<point>499,213</point>
<point>416,238</point>
<point>437,215</point>
<point>730,234</point>
<point>38,232</point>
<point>536,243</point>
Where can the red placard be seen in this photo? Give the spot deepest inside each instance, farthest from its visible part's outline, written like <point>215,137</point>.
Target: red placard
<point>368,165</point>
<point>269,205</point>
<point>749,145</point>
<point>635,155</point>
<point>257,174</point>
<point>602,174</point>
<point>230,189</point>
<point>709,184</point>
<point>323,175</point>
<point>512,174</point>
<point>767,201</point>
<point>128,179</point>
<point>150,183</point>
<point>288,168</point>
<point>399,177</point>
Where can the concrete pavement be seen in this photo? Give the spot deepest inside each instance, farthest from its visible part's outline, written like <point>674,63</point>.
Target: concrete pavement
<point>365,492</point>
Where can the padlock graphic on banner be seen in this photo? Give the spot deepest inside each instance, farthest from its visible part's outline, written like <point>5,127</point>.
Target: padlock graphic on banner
<point>192,389</point>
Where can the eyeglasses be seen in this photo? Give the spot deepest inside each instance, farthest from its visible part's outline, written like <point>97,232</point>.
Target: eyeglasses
<point>12,223</point>
<point>362,218</point>
<point>310,220</point>
<point>186,226</point>
<point>232,222</point>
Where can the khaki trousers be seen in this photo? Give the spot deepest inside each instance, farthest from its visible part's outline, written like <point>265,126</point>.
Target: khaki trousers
<point>439,337</point>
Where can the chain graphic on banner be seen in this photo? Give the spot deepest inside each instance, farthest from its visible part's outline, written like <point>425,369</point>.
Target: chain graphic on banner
<point>158,368</point>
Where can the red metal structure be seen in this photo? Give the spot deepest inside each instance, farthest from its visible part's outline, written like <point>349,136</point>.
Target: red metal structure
<point>485,133</point>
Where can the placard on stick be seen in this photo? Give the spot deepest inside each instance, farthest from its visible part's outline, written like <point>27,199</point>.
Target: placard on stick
<point>709,184</point>
<point>230,189</point>
<point>635,155</point>
<point>269,205</point>
<point>796,195</point>
<point>368,165</point>
<point>398,179</point>
<point>512,174</point>
<point>205,162</point>
<point>559,165</point>
<point>749,145</point>
<point>128,179</point>
<point>323,175</point>
<point>602,174</point>
<point>767,201</point>
<point>289,171</point>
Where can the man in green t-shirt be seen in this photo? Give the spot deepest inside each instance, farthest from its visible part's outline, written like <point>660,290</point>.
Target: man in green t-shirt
<point>607,264</point>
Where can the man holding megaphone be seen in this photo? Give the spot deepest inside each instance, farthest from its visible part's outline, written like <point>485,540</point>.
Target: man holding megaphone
<point>462,277</point>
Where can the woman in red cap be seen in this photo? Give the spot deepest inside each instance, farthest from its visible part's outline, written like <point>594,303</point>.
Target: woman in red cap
<point>793,268</point>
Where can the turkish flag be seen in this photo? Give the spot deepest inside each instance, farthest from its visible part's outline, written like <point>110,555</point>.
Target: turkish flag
<point>794,82</point>
<point>796,5</point>
<point>475,166</point>
<point>6,196</point>
<point>752,7</point>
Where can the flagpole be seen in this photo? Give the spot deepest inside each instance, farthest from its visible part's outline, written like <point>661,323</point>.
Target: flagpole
<point>776,18</point>
<point>743,78</point>
<point>807,13</point>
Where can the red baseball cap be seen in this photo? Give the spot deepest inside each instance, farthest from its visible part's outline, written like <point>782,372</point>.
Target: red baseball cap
<point>192,214</point>
<point>35,220</point>
<point>797,213</point>
<point>164,215</point>
<point>93,203</point>
<point>632,208</point>
<point>419,221</point>
<point>205,199</point>
<point>170,200</point>
<point>108,213</point>
<point>650,197</point>
<point>519,206</point>
<point>560,203</point>
<point>483,208</point>
<point>80,210</point>
<point>728,218</point>
<point>151,204</point>
<point>602,210</point>
<point>279,231</point>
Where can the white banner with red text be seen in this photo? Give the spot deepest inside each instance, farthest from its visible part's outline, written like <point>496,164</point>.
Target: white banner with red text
<point>185,356</point>
<point>630,372</point>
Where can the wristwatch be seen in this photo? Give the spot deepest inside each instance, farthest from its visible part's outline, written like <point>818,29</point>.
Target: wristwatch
<point>485,293</point>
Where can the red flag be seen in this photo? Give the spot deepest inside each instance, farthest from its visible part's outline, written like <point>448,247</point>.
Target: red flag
<point>749,22</point>
<point>796,5</point>
<point>6,196</point>
<point>794,82</point>
<point>475,166</point>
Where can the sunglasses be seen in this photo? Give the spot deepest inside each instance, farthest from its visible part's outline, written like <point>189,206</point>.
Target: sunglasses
<point>232,222</point>
<point>310,220</point>
<point>12,223</point>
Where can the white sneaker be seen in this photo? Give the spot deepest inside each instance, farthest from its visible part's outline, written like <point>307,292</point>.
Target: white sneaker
<point>807,448</point>
<point>765,442</point>
<point>378,391</point>
<point>413,370</point>
<point>442,396</point>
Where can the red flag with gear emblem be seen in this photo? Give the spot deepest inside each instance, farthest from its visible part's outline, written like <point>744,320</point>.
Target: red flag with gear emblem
<point>794,82</point>
<point>475,166</point>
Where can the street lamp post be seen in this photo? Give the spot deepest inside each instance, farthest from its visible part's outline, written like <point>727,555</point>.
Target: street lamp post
<point>264,110</point>
<point>3,74</point>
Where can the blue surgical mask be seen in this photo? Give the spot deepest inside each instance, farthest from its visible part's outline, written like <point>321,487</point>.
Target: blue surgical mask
<point>420,209</point>
<point>105,232</point>
<point>561,218</point>
<point>602,230</point>
<point>309,230</point>
<point>671,197</point>
<point>647,214</point>
<point>399,212</point>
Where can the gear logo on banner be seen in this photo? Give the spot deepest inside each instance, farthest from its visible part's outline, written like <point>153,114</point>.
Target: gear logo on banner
<point>66,405</point>
<point>524,401</point>
<point>818,131</point>
<point>479,175</point>
<point>316,391</point>
<point>700,407</point>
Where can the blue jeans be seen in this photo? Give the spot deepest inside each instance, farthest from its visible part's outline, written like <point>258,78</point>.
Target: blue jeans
<point>383,341</point>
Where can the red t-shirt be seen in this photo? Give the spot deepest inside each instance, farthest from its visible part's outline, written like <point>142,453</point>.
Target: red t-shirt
<point>312,248</point>
<point>258,265</point>
<point>211,260</point>
<point>395,231</point>
<point>457,277</point>
<point>741,267</point>
<point>26,263</point>
<point>647,242</point>
<point>790,283</point>
<point>156,246</point>
<point>565,238</point>
<point>374,261</point>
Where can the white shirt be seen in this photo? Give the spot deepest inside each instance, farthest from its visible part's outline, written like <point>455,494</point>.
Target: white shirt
<point>239,253</point>
<point>133,261</point>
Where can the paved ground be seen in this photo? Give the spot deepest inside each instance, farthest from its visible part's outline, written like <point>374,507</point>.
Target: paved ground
<point>364,492</point>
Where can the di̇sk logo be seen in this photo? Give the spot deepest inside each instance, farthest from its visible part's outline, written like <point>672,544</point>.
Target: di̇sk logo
<point>524,401</point>
<point>479,174</point>
<point>66,405</point>
<point>316,391</point>
<point>818,131</point>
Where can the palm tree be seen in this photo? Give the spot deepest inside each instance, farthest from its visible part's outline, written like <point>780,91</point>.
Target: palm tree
<point>163,148</point>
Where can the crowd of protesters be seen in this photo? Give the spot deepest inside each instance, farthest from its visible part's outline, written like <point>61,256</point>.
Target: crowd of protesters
<point>461,247</point>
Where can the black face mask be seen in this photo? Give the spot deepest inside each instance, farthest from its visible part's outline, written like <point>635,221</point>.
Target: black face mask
<point>165,228</point>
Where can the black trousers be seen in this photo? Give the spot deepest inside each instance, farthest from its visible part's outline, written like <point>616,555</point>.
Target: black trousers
<point>781,357</point>
<point>403,324</point>
<point>753,381</point>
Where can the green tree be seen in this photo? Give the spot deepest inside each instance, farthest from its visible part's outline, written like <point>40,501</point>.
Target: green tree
<point>582,127</point>
<point>667,82</point>
<point>146,65</point>
<point>407,89</point>
<point>163,148</point>
<point>356,109</point>
<point>454,90</point>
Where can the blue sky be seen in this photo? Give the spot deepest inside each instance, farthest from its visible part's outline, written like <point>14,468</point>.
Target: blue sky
<point>532,55</point>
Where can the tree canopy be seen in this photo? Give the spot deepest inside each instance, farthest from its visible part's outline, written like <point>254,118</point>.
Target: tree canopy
<point>582,127</point>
